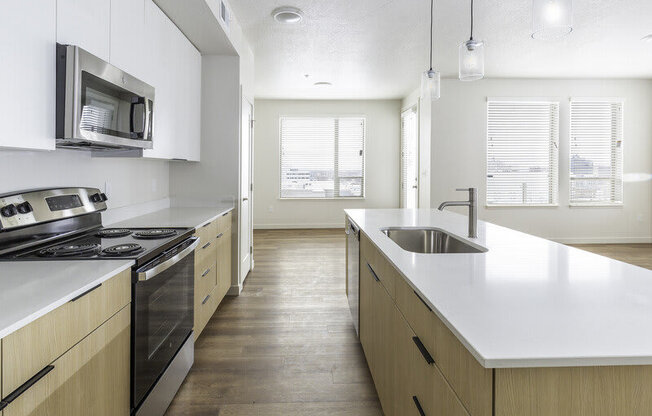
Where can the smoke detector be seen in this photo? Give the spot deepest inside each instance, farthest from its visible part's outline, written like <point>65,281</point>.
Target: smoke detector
<point>287,15</point>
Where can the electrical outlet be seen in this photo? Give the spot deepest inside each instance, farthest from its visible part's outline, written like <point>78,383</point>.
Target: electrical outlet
<point>271,208</point>
<point>154,185</point>
<point>639,218</point>
<point>108,189</point>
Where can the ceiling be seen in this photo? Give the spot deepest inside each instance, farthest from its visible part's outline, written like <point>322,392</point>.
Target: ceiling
<point>377,48</point>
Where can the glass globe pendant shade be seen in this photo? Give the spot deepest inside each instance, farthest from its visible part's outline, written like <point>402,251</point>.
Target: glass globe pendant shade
<point>430,85</point>
<point>551,19</point>
<point>471,63</point>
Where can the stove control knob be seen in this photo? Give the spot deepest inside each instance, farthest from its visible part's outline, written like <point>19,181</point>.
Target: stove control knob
<point>103,195</point>
<point>96,198</point>
<point>24,208</point>
<point>8,211</point>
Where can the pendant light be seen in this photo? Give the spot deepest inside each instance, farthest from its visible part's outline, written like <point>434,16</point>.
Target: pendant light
<point>430,79</point>
<point>551,19</point>
<point>471,60</point>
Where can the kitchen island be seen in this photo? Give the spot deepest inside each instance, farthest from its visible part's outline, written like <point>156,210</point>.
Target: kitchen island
<point>528,327</point>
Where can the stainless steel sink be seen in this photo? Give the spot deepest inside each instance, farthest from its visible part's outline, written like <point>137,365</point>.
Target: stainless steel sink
<point>429,241</point>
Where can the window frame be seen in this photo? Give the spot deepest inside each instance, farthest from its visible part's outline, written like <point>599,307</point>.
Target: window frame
<point>554,181</point>
<point>364,157</point>
<point>599,204</point>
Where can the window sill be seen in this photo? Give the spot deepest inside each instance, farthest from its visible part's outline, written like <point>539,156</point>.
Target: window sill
<point>522,206</point>
<point>599,205</point>
<point>341,198</point>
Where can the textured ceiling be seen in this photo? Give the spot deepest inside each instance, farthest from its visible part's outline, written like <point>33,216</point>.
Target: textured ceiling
<point>378,48</point>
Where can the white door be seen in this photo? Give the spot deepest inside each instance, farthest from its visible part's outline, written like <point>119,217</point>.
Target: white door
<point>410,158</point>
<point>246,234</point>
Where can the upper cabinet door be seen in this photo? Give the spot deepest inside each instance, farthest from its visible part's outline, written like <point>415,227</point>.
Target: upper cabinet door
<point>128,37</point>
<point>28,30</point>
<point>85,23</point>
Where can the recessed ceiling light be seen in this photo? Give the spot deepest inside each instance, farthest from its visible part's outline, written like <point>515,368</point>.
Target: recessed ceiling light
<point>323,84</point>
<point>287,15</point>
<point>647,38</point>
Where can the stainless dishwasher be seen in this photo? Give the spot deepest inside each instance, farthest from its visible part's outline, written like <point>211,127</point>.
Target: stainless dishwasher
<point>353,272</point>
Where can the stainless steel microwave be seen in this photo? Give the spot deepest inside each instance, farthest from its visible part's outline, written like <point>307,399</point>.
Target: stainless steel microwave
<point>100,107</point>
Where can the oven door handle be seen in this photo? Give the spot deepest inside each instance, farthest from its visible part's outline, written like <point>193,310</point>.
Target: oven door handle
<point>160,268</point>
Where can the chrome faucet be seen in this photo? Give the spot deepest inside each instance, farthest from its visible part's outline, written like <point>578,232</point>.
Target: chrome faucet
<point>472,203</point>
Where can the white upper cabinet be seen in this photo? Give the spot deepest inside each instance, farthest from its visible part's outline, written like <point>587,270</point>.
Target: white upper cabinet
<point>172,62</point>
<point>28,30</point>
<point>128,34</point>
<point>85,23</point>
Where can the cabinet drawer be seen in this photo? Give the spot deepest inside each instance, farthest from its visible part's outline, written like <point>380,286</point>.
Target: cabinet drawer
<point>472,382</point>
<point>206,232</point>
<point>31,348</point>
<point>206,251</point>
<point>92,378</point>
<point>204,310</point>
<point>418,315</point>
<point>205,279</point>
<point>224,222</point>
<point>381,267</point>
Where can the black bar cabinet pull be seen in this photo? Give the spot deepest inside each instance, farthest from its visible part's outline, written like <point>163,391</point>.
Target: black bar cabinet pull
<point>85,293</point>
<point>206,245</point>
<point>206,225</point>
<point>29,383</point>
<point>219,235</point>
<point>422,301</point>
<point>206,272</point>
<point>423,350</point>
<point>3,404</point>
<point>418,405</point>
<point>373,273</point>
<point>225,214</point>
<point>205,299</point>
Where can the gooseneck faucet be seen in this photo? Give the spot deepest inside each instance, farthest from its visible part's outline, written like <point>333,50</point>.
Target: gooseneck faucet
<point>472,203</point>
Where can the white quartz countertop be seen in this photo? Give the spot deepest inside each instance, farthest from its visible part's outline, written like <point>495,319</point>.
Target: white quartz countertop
<point>31,289</point>
<point>527,301</point>
<point>176,217</point>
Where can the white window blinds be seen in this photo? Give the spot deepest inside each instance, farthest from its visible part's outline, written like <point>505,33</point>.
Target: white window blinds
<point>322,157</point>
<point>522,152</point>
<point>596,152</point>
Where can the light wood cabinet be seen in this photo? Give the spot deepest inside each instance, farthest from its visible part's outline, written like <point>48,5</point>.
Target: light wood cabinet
<point>28,30</point>
<point>92,378</point>
<point>212,269</point>
<point>31,348</point>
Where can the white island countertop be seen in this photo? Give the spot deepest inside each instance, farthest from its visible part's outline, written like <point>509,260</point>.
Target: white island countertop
<point>527,301</point>
<point>176,217</point>
<point>31,289</point>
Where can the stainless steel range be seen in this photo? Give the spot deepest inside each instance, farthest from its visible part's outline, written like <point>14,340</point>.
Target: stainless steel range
<point>66,224</point>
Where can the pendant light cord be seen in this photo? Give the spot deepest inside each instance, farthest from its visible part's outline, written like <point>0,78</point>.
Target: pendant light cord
<point>432,6</point>
<point>471,20</point>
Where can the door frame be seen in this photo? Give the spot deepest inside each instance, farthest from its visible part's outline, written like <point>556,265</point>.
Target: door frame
<point>246,101</point>
<point>417,109</point>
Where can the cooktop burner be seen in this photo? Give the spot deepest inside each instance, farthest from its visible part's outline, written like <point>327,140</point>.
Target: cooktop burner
<point>155,233</point>
<point>113,232</point>
<point>122,250</point>
<point>69,250</point>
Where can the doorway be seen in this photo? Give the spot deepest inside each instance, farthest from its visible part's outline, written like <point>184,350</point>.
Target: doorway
<point>246,188</point>
<point>410,158</point>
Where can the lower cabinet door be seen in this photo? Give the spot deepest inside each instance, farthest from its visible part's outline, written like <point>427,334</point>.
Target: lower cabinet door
<point>367,315</point>
<point>92,378</point>
<point>224,264</point>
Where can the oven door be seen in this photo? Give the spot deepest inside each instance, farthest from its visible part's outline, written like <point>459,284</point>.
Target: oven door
<point>162,314</point>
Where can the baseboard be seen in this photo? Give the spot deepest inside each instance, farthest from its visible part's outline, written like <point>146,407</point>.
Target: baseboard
<point>297,226</point>
<point>113,215</point>
<point>234,291</point>
<point>604,240</point>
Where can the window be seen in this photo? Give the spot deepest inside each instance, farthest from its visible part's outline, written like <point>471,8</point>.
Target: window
<point>409,158</point>
<point>322,157</point>
<point>522,153</point>
<point>596,152</point>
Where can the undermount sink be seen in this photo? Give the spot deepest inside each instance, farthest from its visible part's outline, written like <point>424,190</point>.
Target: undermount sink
<point>429,241</point>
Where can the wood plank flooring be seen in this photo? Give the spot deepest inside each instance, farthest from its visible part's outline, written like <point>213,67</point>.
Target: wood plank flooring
<point>637,254</point>
<point>286,345</point>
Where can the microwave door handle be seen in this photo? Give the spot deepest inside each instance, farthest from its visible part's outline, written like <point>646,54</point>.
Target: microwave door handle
<point>147,121</point>
<point>160,268</point>
<point>132,130</point>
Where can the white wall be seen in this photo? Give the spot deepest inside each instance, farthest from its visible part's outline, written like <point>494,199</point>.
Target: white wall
<point>459,157</point>
<point>381,152</point>
<point>131,181</point>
